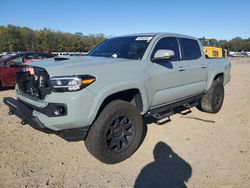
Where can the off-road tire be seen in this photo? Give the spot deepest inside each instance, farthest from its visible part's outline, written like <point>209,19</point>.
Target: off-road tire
<point>106,126</point>
<point>212,101</point>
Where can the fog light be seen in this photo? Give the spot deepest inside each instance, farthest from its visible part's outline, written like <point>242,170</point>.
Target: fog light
<point>57,112</point>
<point>60,110</point>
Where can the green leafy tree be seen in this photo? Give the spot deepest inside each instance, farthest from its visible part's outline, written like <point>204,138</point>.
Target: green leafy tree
<point>13,38</point>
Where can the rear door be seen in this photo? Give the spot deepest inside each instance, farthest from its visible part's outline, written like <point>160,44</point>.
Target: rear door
<point>194,65</point>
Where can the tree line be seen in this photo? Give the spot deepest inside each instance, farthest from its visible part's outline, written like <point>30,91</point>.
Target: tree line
<point>236,44</point>
<point>14,38</point>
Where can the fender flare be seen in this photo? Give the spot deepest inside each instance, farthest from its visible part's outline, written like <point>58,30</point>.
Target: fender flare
<point>110,90</point>
<point>212,76</point>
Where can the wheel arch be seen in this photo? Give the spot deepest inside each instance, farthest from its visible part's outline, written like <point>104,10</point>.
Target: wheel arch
<point>219,77</point>
<point>135,95</point>
<point>215,76</point>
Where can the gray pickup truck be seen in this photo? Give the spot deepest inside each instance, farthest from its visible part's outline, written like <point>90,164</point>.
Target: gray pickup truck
<point>103,97</point>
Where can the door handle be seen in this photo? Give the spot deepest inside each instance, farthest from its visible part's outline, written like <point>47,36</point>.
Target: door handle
<point>203,66</point>
<point>181,69</point>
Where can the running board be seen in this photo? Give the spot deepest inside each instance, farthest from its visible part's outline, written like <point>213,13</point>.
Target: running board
<point>162,114</point>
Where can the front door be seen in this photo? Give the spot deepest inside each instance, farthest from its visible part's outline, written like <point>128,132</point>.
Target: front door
<point>166,81</point>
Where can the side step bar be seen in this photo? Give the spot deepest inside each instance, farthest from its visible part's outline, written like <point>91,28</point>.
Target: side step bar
<point>182,107</point>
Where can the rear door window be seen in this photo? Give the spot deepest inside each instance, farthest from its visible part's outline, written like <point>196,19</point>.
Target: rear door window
<point>190,49</point>
<point>168,43</point>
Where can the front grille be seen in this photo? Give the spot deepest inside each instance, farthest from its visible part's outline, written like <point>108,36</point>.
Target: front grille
<point>35,84</point>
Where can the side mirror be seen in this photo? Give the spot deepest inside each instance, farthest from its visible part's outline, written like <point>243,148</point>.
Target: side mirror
<point>163,54</point>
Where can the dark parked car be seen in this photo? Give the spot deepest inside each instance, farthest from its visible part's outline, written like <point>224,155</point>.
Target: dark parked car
<point>9,65</point>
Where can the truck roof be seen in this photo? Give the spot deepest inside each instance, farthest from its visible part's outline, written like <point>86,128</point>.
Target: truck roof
<point>159,34</point>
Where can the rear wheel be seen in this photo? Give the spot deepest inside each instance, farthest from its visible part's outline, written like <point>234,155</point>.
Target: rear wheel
<point>117,132</point>
<point>212,101</point>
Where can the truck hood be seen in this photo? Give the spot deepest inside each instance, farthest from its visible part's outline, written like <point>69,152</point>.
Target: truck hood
<point>81,65</point>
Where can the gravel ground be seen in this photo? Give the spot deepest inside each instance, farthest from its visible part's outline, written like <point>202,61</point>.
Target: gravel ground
<point>195,150</point>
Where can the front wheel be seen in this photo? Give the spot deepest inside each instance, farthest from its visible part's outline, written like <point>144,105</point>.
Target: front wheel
<point>117,132</point>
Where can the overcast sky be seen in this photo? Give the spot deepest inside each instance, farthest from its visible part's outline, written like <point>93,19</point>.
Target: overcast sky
<point>221,19</point>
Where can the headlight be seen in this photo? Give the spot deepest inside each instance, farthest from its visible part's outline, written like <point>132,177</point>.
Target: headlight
<point>71,83</point>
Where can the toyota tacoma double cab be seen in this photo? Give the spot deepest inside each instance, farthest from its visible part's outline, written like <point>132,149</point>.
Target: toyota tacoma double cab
<point>102,98</point>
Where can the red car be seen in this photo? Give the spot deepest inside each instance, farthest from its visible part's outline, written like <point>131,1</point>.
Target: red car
<point>8,62</point>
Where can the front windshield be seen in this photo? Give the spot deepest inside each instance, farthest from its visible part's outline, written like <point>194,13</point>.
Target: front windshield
<point>7,56</point>
<point>130,47</point>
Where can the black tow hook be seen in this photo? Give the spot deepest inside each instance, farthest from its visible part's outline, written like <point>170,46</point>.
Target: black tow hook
<point>23,122</point>
<point>11,113</point>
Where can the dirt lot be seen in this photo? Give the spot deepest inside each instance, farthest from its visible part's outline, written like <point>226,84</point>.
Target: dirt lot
<point>197,150</point>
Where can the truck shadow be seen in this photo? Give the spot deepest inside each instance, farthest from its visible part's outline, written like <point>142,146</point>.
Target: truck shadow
<point>168,170</point>
<point>199,119</point>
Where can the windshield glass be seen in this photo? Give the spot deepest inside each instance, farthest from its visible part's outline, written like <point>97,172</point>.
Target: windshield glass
<point>130,47</point>
<point>7,56</point>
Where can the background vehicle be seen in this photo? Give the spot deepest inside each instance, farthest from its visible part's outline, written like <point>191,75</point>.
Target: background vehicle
<point>9,62</point>
<point>244,54</point>
<point>239,54</point>
<point>102,97</point>
<point>213,51</point>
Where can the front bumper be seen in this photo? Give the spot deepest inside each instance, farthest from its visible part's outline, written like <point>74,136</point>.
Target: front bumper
<point>25,113</point>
